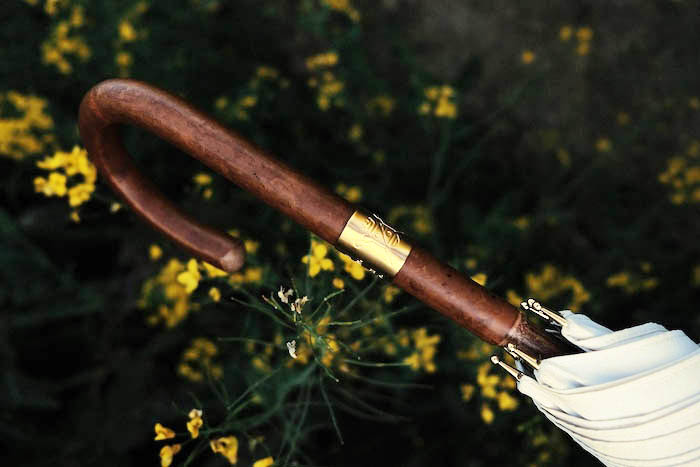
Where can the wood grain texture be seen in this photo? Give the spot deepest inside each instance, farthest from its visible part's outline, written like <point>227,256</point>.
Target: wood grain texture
<point>127,102</point>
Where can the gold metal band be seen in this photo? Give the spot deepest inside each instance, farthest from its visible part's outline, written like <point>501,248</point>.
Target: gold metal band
<point>369,239</point>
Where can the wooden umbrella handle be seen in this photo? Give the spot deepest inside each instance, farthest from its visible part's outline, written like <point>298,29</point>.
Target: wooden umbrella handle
<point>120,101</point>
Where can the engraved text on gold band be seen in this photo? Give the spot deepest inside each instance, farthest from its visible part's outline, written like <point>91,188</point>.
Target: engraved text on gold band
<point>368,238</point>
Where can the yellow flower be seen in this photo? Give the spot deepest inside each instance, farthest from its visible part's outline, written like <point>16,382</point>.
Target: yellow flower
<point>195,422</point>
<point>226,446</point>
<point>623,118</point>
<point>248,101</point>
<point>215,294</point>
<point>163,432</point>
<point>126,31</point>
<point>603,145</point>
<point>583,48</point>
<point>75,217</point>
<point>487,414</point>
<point>565,33</point>
<point>155,252</point>
<point>694,103</point>
<point>479,278</point>
<point>426,348</point>
<point>213,271</point>
<point>527,57</point>
<point>352,267</point>
<point>54,186</point>
<point>317,260</point>
<point>327,59</point>
<point>190,278</point>
<point>251,246</point>
<point>467,391</point>
<point>338,283</point>
<point>167,453</point>
<point>124,59</point>
<point>355,132</point>
<point>202,179</point>
<point>584,34</point>
<point>266,462</point>
<point>506,402</point>
<point>78,194</point>
<point>390,292</point>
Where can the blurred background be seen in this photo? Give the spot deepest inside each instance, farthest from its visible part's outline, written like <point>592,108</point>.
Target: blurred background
<point>547,150</point>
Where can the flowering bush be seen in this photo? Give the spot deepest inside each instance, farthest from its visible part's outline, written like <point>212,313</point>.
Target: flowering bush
<point>541,162</point>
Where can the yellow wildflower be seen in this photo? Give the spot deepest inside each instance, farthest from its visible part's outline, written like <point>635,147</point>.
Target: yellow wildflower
<point>506,402</point>
<point>480,278</point>
<point>251,246</point>
<point>55,185</point>
<point>167,453</point>
<point>352,267</point>
<point>215,294</point>
<point>439,102</point>
<point>202,179</point>
<point>195,422</point>
<point>155,252</point>
<point>124,59</point>
<point>522,222</point>
<point>583,48</point>
<point>213,271</point>
<point>266,462</point>
<point>426,348</point>
<point>62,166</point>
<point>190,277</point>
<point>317,260</point>
<point>381,104</point>
<point>127,33</point>
<point>355,132</point>
<point>487,414</point>
<point>390,292</point>
<point>467,391</point>
<point>513,298</point>
<point>163,432</point>
<point>18,133</point>
<point>694,103</point>
<point>623,118</point>
<point>226,446</point>
<point>584,34</point>
<point>603,145</point>
<point>565,33</point>
<point>253,274</point>
<point>550,283</point>
<point>338,283</point>
<point>323,60</point>
<point>527,57</point>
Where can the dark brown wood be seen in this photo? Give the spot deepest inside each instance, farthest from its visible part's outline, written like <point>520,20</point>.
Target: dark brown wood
<point>121,101</point>
<point>116,102</point>
<point>472,306</point>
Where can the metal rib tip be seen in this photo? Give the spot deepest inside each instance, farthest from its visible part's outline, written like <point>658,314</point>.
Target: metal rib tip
<point>512,371</point>
<point>532,361</point>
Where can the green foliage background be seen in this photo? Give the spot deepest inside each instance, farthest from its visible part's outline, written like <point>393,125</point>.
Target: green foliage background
<point>538,168</point>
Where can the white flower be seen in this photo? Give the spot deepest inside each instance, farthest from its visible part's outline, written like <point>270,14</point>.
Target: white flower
<point>284,296</point>
<point>299,304</point>
<point>292,347</point>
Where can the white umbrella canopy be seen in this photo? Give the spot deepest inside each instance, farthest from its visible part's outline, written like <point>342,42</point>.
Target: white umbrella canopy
<point>631,399</point>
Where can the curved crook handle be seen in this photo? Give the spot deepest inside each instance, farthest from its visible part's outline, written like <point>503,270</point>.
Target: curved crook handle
<point>120,101</point>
